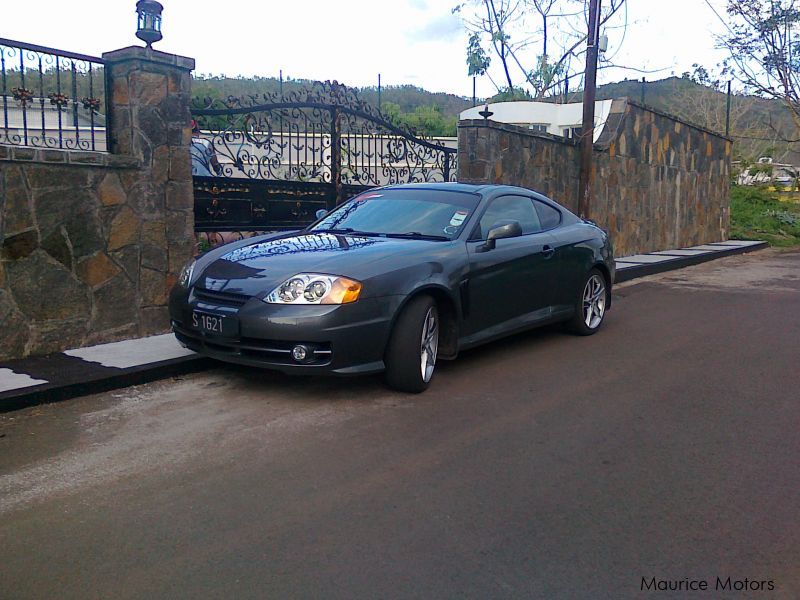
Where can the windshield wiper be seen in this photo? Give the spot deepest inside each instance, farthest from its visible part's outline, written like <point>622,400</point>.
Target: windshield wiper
<point>344,230</point>
<point>418,236</point>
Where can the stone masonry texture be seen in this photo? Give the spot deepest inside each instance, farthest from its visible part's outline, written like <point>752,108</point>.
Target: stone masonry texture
<point>659,183</point>
<point>90,243</point>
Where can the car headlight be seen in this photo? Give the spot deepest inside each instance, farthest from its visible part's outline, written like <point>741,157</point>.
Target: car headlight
<point>186,273</point>
<point>315,288</point>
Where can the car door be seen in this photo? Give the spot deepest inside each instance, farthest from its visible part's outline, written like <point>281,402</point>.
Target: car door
<point>569,257</point>
<point>511,284</point>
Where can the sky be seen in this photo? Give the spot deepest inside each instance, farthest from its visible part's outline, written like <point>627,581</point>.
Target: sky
<point>418,42</point>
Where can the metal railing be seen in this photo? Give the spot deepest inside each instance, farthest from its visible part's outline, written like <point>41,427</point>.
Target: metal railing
<point>51,98</point>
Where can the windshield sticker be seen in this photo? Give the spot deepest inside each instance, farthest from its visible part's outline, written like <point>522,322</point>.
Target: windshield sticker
<point>368,196</point>
<point>458,218</point>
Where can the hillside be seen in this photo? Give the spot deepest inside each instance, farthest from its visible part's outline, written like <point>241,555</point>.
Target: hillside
<point>427,112</point>
<point>754,121</point>
<point>758,126</point>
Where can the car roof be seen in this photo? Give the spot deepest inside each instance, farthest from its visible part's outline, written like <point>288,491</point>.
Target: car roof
<point>452,186</point>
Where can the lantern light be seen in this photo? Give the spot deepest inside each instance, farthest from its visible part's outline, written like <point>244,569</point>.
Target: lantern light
<point>149,21</point>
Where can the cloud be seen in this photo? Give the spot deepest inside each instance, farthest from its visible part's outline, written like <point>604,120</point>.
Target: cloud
<point>418,4</point>
<point>445,28</point>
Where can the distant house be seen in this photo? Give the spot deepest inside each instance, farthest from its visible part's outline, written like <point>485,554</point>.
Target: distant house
<point>766,171</point>
<point>564,120</point>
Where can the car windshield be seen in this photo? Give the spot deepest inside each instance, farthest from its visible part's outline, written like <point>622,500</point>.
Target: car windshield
<point>424,213</point>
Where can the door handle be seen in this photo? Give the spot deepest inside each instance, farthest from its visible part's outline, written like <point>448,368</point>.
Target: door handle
<point>548,251</point>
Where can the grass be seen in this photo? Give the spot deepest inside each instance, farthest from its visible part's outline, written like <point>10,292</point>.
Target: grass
<point>760,214</point>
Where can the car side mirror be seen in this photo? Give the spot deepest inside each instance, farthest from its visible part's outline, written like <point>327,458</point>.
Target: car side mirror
<point>320,213</point>
<point>501,230</point>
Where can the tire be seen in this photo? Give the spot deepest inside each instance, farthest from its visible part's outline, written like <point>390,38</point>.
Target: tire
<point>409,359</point>
<point>591,303</point>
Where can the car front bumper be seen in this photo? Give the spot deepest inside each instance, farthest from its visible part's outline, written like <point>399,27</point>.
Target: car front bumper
<point>346,339</point>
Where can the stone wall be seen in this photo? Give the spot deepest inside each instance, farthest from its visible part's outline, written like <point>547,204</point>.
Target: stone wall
<point>659,182</point>
<point>90,243</point>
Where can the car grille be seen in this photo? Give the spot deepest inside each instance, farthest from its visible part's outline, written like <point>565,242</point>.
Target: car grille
<point>220,298</point>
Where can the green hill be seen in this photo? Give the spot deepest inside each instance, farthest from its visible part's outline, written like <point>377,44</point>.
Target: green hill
<point>757,125</point>
<point>426,112</point>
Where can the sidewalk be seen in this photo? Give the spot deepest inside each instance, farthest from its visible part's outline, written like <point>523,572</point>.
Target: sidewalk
<point>640,265</point>
<point>41,379</point>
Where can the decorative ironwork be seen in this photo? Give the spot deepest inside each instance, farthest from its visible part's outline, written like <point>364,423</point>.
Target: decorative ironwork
<point>222,204</point>
<point>326,133</point>
<point>215,211</point>
<point>92,104</point>
<point>324,141</point>
<point>59,100</point>
<point>39,91</point>
<point>22,95</point>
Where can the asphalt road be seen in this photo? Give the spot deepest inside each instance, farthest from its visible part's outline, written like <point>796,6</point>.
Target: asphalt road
<point>544,466</point>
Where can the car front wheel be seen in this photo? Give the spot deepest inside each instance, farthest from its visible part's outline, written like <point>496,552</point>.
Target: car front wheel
<point>592,303</point>
<point>413,346</point>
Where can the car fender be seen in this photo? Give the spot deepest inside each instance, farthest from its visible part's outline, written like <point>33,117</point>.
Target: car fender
<point>450,322</point>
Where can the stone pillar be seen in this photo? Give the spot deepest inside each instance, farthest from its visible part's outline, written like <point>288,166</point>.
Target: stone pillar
<point>150,121</point>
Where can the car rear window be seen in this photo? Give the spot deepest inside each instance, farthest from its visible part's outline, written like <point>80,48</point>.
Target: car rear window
<point>548,215</point>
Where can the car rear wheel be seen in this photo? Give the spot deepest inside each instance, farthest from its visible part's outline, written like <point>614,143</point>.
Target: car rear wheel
<point>591,307</point>
<point>413,346</point>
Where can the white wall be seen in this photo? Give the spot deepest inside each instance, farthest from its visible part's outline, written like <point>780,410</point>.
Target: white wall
<point>557,117</point>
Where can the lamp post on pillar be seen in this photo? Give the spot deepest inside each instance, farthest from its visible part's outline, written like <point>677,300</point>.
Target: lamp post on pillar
<point>148,14</point>
<point>587,128</point>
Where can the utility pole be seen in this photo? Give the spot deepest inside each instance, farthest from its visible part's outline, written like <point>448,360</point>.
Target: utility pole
<point>728,111</point>
<point>587,128</point>
<point>474,99</point>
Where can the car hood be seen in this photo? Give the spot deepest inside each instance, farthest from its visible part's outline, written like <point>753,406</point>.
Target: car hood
<point>255,269</point>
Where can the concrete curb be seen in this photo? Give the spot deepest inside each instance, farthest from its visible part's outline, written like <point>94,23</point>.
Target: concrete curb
<point>67,387</point>
<point>61,376</point>
<point>679,262</point>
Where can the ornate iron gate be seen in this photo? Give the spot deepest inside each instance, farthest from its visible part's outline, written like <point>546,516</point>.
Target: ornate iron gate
<point>278,159</point>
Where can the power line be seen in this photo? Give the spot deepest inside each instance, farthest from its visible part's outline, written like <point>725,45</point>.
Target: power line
<point>763,139</point>
<point>714,10</point>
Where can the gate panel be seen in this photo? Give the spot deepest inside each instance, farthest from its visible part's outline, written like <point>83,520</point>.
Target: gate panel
<point>283,158</point>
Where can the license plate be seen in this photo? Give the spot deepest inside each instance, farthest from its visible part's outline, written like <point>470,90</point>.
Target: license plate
<point>211,323</point>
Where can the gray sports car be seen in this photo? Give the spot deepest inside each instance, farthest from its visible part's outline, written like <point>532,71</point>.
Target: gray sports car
<point>393,280</point>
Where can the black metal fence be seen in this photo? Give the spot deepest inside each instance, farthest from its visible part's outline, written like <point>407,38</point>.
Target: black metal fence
<point>51,98</point>
<point>270,161</point>
<point>325,133</point>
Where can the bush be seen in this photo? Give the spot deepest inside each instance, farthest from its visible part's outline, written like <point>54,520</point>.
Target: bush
<point>758,214</point>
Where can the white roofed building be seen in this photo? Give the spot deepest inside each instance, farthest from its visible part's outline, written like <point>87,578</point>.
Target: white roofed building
<point>557,119</point>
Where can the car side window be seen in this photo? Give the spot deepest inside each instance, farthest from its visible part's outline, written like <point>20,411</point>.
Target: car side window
<point>517,208</point>
<point>548,216</point>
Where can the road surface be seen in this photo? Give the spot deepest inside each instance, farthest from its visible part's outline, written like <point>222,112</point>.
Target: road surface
<point>666,448</point>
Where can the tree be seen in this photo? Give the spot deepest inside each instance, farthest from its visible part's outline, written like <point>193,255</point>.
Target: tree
<point>763,41</point>
<point>701,98</point>
<point>424,120</point>
<point>539,43</point>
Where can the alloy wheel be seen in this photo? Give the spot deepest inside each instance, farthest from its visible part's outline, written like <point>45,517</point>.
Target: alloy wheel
<point>594,301</point>
<point>429,344</point>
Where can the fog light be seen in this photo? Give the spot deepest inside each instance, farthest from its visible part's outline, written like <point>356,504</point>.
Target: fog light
<point>299,353</point>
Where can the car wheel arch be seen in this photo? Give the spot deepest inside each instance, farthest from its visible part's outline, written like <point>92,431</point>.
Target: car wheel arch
<point>448,317</point>
<point>601,266</point>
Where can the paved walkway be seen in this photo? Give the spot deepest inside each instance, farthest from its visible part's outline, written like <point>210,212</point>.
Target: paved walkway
<point>36,380</point>
<point>639,265</point>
